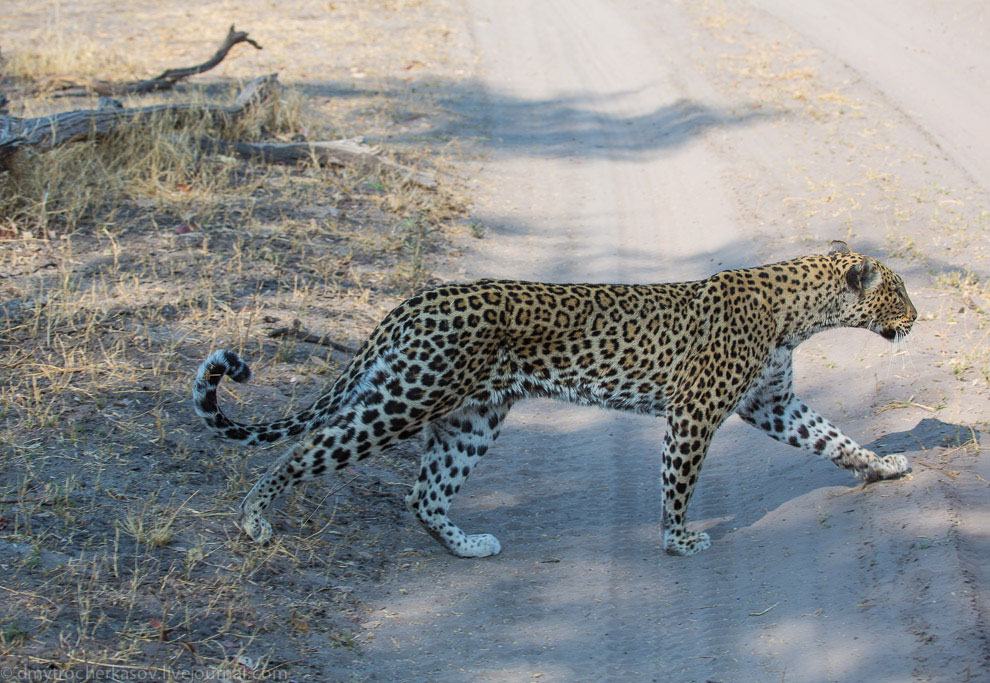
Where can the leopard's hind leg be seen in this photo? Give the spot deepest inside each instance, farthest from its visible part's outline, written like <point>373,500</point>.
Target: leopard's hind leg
<point>379,414</point>
<point>453,446</point>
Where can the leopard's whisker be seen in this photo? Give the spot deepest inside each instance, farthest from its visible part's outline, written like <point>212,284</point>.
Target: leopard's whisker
<point>908,351</point>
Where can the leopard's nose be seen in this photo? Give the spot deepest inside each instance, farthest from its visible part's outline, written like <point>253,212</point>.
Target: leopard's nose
<point>911,313</point>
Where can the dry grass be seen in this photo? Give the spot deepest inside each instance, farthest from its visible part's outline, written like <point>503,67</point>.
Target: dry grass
<point>122,264</point>
<point>149,169</point>
<point>969,321</point>
<point>62,53</point>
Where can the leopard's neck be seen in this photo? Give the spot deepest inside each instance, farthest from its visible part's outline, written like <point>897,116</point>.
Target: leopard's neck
<point>804,296</point>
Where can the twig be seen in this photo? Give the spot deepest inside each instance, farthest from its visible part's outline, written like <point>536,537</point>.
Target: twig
<point>12,501</point>
<point>295,331</point>
<point>338,488</point>
<point>332,515</point>
<point>163,81</point>
<point>352,153</point>
<point>760,614</point>
<point>30,595</point>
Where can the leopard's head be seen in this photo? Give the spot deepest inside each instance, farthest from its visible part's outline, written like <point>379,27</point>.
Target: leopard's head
<point>873,296</point>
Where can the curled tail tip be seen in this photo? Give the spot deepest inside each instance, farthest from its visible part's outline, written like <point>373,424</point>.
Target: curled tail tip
<point>228,363</point>
<point>211,371</point>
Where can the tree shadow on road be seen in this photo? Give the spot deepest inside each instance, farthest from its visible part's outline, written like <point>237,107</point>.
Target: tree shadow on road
<point>575,125</point>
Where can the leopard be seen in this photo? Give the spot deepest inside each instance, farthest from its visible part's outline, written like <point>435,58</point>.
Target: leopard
<point>447,365</point>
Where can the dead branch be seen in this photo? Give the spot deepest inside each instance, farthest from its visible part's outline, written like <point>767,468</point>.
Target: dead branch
<point>46,132</point>
<point>353,153</point>
<point>295,331</point>
<point>70,87</point>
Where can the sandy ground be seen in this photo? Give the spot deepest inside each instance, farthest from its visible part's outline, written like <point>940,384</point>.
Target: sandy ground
<point>634,141</point>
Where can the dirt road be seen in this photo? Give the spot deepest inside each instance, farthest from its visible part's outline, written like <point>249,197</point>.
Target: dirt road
<point>633,141</point>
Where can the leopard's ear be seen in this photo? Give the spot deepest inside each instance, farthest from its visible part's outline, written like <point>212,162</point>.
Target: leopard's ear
<point>863,276</point>
<point>838,247</point>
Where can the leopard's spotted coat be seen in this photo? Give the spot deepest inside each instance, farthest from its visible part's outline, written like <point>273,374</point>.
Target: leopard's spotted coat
<point>451,361</point>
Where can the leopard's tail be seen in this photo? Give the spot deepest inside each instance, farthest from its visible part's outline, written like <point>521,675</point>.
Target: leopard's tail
<point>211,371</point>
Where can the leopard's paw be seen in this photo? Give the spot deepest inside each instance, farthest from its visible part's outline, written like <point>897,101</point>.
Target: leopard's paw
<point>887,467</point>
<point>257,527</point>
<point>478,545</point>
<point>895,466</point>
<point>685,542</point>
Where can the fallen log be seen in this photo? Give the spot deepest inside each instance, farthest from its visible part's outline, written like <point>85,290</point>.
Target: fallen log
<point>47,132</point>
<point>352,153</point>
<point>69,87</point>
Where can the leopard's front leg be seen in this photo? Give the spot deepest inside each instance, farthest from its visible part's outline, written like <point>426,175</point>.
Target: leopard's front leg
<point>772,406</point>
<point>684,448</point>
